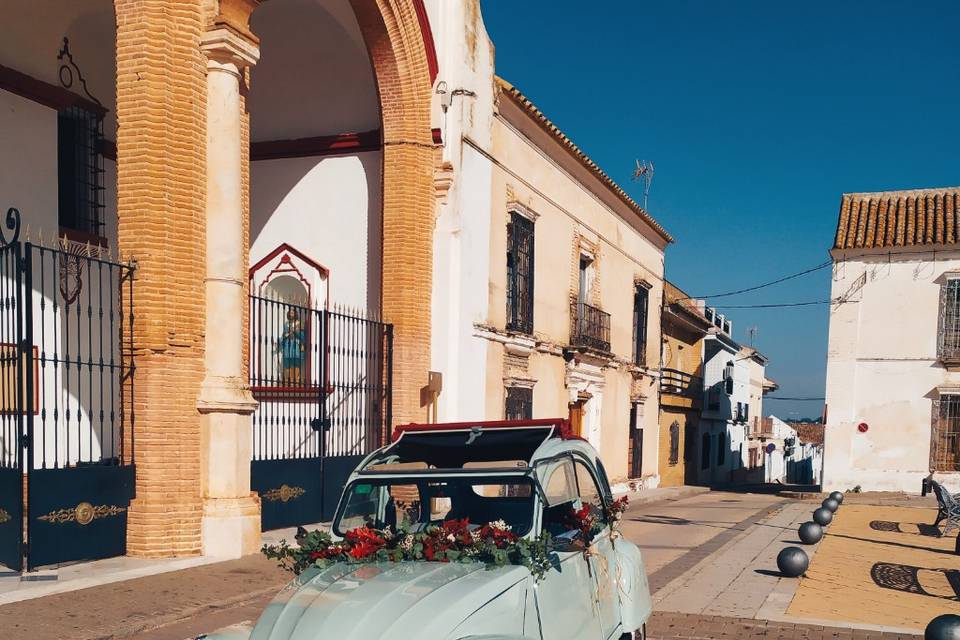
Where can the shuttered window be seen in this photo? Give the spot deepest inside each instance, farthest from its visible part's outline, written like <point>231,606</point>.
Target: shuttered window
<point>520,274</point>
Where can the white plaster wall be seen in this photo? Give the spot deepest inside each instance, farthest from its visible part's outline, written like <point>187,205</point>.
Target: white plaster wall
<point>882,370</point>
<point>328,208</point>
<point>462,234</point>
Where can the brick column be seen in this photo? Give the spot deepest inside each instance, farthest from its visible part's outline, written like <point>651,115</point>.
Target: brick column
<point>161,195</point>
<point>231,513</point>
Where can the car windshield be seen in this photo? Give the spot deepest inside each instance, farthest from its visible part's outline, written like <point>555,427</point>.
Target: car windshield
<point>417,502</point>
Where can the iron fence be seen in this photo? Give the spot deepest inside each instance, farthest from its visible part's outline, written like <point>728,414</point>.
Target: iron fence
<point>589,327</point>
<point>322,379</point>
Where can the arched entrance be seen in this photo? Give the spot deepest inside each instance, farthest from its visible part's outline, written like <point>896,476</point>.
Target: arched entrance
<point>340,173</point>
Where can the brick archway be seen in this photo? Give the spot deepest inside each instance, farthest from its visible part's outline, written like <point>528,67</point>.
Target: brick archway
<point>401,51</point>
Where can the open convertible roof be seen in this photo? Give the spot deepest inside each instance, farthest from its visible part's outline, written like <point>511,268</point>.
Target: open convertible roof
<point>455,445</point>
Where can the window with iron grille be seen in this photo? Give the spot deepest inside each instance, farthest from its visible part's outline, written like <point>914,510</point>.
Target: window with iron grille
<point>519,403</point>
<point>721,449</point>
<point>675,442</point>
<point>728,379</point>
<point>948,340</point>
<point>520,273</point>
<point>945,445</point>
<point>80,171</point>
<point>641,299</point>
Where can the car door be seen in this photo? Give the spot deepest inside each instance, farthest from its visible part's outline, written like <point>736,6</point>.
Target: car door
<point>601,555</point>
<point>566,597</point>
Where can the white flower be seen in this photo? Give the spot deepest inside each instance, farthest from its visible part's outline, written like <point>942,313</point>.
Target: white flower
<point>475,534</point>
<point>450,537</point>
<point>500,525</point>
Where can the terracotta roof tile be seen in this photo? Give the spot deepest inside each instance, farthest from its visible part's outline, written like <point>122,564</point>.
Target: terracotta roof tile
<point>898,218</point>
<point>577,153</point>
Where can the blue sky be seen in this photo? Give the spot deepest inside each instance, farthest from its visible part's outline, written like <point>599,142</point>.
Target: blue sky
<point>757,115</point>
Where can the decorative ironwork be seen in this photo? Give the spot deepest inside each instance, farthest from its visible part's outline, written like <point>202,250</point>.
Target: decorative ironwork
<point>4,516</point>
<point>13,224</point>
<point>519,403</point>
<point>520,269</point>
<point>68,68</point>
<point>945,434</point>
<point>83,514</point>
<point>283,494</point>
<point>589,327</point>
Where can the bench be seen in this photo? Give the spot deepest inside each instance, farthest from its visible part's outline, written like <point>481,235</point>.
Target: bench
<point>949,509</point>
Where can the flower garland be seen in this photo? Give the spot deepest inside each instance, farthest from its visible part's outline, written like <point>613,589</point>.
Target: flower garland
<point>493,544</point>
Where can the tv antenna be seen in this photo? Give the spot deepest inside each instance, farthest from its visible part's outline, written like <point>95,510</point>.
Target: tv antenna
<point>644,171</point>
<point>753,331</point>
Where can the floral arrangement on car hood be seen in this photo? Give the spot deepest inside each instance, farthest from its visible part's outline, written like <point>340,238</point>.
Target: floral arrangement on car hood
<point>493,544</point>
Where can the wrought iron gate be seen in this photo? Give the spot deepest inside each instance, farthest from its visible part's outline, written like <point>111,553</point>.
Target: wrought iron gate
<point>66,387</point>
<point>323,381</point>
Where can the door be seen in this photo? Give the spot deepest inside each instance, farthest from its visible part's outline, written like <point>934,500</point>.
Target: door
<point>601,555</point>
<point>636,442</point>
<point>576,416</point>
<point>11,416</point>
<point>566,597</point>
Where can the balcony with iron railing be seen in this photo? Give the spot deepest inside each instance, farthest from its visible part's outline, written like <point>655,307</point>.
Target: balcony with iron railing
<point>681,383</point>
<point>589,327</point>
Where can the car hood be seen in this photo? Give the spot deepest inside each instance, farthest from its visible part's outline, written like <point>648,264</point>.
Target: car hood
<point>386,601</point>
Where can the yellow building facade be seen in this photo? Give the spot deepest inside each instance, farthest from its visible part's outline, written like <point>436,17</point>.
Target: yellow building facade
<point>681,386</point>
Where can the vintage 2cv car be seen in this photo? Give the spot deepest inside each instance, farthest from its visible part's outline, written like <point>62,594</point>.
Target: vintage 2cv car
<point>509,483</point>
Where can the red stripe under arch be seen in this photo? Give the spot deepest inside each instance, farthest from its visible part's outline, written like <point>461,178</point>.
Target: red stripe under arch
<point>429,47</point>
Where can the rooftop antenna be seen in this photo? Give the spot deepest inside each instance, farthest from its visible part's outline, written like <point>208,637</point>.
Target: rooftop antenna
<point>753,331</point>
<point>644,171</point>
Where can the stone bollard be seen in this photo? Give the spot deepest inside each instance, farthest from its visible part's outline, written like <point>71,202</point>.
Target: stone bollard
<point>822,516</point>
<point>792,561</point>
<point>830,504</point>
<point>810,533</point>
<point>945,627</point>
<point>836,495</point>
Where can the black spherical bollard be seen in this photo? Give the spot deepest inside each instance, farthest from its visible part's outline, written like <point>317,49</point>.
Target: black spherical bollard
<point>822,516</point>
<point>945,627</point>
<point>792,561</point>
<point>836,495</point>
<point>830,504</point>
<point>810,533</point>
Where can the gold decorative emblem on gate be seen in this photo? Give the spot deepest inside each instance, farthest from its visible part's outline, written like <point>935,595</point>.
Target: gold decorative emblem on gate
<point>4,516</point>
<point>284,494</point>
<point>83,514</point>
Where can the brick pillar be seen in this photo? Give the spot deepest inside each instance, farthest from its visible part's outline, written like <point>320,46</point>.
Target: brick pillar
<point>161,195</point>
<point>394,40</point>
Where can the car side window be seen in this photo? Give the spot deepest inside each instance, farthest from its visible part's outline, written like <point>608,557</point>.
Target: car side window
<point>562,497</point>
<point>589,492</point>
<point>604,482</point>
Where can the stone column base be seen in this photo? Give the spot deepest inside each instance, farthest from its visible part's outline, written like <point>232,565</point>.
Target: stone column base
<point>230,527</point>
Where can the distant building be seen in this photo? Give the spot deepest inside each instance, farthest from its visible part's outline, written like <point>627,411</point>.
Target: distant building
<point>681,385</point>
<point>726,409</point>
<point>893,361</point>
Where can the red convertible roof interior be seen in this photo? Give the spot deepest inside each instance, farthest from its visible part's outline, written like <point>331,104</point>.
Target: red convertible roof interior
<point>451,445</point>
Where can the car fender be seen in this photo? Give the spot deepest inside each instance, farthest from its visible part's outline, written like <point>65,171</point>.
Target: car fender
<point>632,586</point>
<point>494,637</point>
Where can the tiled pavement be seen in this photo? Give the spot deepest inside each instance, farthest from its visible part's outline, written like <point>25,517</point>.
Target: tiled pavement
<point>686,626</point>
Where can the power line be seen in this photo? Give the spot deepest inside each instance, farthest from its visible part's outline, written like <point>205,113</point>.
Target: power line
<point>777,305</point>
<point>822,265</point>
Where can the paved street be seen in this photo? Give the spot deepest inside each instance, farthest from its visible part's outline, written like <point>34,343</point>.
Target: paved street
<point>710,558</point>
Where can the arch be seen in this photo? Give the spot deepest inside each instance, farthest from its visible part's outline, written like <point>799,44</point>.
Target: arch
<point>395,42</point>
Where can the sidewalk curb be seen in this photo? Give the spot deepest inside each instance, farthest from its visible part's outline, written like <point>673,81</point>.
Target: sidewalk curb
<point>649,496</point>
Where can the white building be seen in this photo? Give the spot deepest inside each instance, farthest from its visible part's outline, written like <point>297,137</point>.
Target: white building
<point>723,422</point>
<point>893,385</point>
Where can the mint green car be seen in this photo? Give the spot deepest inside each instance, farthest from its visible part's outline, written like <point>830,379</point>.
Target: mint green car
<point>527,475</point>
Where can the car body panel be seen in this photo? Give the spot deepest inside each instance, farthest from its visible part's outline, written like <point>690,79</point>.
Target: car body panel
<point>632,585</point>
<point>392,601</point>
<point>566,604</point>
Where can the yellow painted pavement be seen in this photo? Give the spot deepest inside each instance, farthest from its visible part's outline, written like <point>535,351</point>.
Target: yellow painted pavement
<point>864,574</point>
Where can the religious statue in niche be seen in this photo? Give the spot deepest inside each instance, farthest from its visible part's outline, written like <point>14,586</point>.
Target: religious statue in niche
<point>291,348</point>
